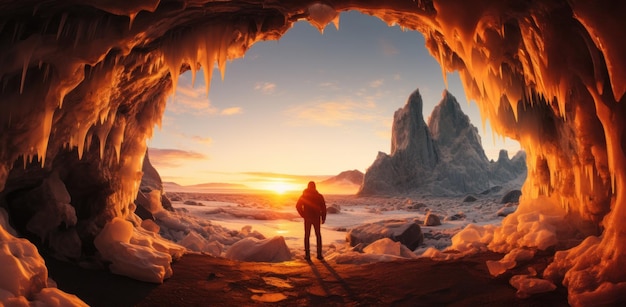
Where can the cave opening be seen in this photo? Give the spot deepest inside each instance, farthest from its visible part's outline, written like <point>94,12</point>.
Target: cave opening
<point>309,100</point>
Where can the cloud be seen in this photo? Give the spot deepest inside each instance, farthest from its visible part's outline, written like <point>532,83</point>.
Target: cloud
<point>265,87</point>
<point>231,111</point>
<point>388,48</point>
<point>329,86</point>
<point>194,138</point>
<point>332,113</point>
<point>167,157</point>
<point>201,140</point>
<point>188,99</point>
<point>376,83</point>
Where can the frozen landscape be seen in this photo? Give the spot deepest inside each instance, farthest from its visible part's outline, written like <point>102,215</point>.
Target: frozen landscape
<point>232,217</point>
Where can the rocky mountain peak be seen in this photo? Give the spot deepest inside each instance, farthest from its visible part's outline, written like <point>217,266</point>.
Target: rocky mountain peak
<point>444,157</point>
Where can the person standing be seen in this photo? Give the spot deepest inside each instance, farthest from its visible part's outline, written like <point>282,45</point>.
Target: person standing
<point>312,207</point>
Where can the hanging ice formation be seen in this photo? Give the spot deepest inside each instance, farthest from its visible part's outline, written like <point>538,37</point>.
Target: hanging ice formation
<point>83,84</point>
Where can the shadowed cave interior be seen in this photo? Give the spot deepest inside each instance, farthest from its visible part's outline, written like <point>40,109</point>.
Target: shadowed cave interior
<point>83,85</point>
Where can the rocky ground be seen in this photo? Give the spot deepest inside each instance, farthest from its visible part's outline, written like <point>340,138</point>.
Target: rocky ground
<point>201,280</point>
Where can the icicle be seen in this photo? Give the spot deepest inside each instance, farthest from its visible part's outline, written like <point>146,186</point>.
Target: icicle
<point>321,15</point>
<point>77,35</point>
<point>131,20</point>
<point>336,22</point>
<point>46,126</point>
<point>24,70</point>
<point>80,138</point>
<point>222,51</point>
<point>116,135</point>
<point>209,58</point>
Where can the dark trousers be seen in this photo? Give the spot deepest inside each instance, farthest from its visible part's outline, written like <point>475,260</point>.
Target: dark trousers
<point>307,234</point>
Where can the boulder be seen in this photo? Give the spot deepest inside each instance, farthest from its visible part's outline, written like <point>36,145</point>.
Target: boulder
<point>511,197</point>
<point>333,209</point>
<point>507,209</point>
<point>432,220</point>
<point>469,199</point>
<point>456,217</point>
<point>407,233</point>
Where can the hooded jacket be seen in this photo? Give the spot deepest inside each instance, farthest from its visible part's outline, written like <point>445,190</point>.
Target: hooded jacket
<point>311,205</point>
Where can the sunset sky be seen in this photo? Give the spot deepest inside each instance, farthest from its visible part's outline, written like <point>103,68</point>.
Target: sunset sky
<point>306,107</point>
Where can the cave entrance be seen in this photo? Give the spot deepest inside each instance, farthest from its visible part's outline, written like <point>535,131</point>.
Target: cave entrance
<point>310,104</point>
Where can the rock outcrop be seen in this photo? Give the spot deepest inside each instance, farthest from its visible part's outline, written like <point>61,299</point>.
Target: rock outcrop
<point>413,154</point>
<point>151,196</point>
<point>445,157</point>
<point>407,233</point>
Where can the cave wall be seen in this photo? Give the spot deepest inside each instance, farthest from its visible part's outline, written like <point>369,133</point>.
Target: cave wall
<point>84,83</point>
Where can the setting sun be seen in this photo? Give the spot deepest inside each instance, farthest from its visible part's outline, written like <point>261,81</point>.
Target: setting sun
<point>280,187</point>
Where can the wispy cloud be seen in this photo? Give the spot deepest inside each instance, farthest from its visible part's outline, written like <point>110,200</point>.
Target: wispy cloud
<point>201,140</point>
<point>167,157</point>
<point>265,87</point>
<point>329,85</point>
<point>332,113</point>
<point>188,99</point>
<point>231,111</point>
<point>193,100</point>
<point>376,83</point>
<point>388,48</point>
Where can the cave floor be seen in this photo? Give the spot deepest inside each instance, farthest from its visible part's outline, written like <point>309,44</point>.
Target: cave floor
<point>201,280</point>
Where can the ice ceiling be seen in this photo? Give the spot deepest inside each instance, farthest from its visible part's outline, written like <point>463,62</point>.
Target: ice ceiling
<point>83,83</point>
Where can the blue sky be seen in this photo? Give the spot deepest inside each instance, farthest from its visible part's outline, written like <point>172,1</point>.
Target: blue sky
<point>308,105</point>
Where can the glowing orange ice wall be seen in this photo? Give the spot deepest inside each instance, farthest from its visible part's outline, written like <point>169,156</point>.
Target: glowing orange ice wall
<point>84,84</point>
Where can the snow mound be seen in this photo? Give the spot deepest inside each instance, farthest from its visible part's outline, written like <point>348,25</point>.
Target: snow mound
<point>25,276</point>
<point>255,250</point>
<point>135,252</point>
<point>387,246</point>
<point>509,261</point>
<point>528,285</point>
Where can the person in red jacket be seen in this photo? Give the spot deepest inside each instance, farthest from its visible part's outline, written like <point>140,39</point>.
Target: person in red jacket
<point>312,207</point>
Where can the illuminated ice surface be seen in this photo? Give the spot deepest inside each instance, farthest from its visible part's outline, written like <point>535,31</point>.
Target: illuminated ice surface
<point>280,218</point>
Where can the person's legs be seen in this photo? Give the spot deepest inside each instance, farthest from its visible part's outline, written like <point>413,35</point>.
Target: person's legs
<point>318,235</point>
<point>307,234</point>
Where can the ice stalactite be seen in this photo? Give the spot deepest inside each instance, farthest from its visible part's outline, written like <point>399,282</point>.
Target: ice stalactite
<point>542,77</point>
<point>320,15</point>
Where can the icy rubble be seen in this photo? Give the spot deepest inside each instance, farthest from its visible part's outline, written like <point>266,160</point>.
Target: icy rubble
<point>24,279</point>
<point>255,250</point>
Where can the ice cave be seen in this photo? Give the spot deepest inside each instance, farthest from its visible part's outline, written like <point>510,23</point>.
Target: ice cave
<point>83,84</point>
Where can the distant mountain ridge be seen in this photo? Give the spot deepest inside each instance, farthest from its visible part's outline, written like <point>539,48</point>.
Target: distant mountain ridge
<point>173,186</point>
<point>445,157</point>
<point>346,182</point>
<point>345,177</point>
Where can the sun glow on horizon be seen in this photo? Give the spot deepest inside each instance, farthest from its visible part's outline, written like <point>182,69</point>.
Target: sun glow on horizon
<point>280,187</point>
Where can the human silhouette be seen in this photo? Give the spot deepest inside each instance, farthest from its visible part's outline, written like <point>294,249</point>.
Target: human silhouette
<point>312,207</point>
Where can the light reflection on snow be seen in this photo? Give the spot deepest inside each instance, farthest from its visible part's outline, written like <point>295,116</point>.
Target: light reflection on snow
<point>276,216</point>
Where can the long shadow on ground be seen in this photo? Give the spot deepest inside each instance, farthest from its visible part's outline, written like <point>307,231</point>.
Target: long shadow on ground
<point>201,280</point>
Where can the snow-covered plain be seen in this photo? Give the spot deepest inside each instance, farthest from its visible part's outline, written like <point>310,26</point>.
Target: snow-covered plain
<point>232,217</point>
